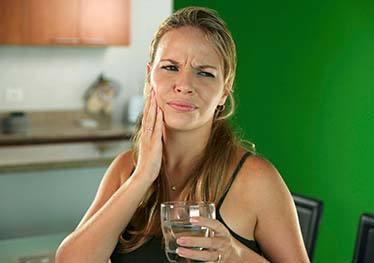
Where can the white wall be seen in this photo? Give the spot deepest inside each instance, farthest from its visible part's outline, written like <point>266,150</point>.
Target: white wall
<point>56,77</point>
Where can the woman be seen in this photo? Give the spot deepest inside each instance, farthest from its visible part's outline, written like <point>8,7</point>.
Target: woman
<point>184,149</point>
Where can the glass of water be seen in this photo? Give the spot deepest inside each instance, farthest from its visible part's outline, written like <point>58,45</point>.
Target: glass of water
<point>175,223</point>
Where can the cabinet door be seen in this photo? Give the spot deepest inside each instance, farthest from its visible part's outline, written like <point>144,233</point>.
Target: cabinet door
<point>105,22</point>
<point>52,22</point>
<point>12,15</point>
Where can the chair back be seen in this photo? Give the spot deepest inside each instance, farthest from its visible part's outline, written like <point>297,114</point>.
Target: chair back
<point>309,211</point>
<point>364,250</point>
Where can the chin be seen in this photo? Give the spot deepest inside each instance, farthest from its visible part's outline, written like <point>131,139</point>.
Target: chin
<point>179,124</point>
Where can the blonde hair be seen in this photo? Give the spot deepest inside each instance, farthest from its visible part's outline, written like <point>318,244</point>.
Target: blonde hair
<point>210,176</point>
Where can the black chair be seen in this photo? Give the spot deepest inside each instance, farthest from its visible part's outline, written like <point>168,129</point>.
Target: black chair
<point>364,251</point>
<point>309,211</point>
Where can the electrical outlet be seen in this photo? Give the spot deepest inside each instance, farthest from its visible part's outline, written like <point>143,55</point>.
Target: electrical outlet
<point>13,95</point>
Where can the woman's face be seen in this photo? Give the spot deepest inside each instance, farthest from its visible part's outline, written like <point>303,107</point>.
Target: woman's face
<point>187,76</point>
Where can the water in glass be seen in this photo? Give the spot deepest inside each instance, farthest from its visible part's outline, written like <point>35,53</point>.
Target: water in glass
<point>175,223</point>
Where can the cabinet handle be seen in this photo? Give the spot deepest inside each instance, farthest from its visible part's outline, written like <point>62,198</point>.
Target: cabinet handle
<point>66,40</point>
<point>93,41</point>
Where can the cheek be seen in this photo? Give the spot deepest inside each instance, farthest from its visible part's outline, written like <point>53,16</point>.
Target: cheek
<point>210,94</point>
<point>159,100</point>
<point>159,84</point>
<point>159,80</point>
<point>159,92</point>
<point>213,102</point>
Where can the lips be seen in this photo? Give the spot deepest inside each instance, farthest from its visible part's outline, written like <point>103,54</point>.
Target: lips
<point>182,106</point>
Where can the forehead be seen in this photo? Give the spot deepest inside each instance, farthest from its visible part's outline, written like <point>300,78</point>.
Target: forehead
<point>188,44</point>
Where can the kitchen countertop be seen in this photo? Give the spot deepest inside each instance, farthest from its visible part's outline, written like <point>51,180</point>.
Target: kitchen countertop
<point>42,166</point>
<point>63,127</point>
<point>56,139</point>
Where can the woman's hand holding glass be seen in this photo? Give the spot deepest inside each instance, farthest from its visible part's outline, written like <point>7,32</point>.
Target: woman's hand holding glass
<point>219,248</point>
<point>150,147</point>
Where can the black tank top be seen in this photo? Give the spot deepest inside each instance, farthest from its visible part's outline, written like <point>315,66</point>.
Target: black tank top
<point>153,252</point>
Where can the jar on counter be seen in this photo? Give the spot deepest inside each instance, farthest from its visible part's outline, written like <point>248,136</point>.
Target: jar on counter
<point>15,122</point>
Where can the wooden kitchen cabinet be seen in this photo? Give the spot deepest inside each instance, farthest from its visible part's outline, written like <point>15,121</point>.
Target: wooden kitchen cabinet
<point>105,22</point>
<point>65,22</point>
<point>12,24</point>
<point>52,22</point>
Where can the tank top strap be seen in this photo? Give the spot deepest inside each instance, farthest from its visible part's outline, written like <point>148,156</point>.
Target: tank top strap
<point>235,173</point>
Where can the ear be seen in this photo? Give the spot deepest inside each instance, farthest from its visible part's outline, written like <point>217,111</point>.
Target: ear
<point>147,83</point>
<point>149,68</point>
<point>224,96</point>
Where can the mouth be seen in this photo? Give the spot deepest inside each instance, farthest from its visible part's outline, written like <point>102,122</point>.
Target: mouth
<point>182,106</point>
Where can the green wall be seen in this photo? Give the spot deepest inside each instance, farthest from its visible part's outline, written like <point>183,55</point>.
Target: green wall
<point>305,97</point>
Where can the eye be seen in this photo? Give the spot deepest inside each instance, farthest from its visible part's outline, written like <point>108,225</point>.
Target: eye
<point>170,68</point>
<point>206,74</point>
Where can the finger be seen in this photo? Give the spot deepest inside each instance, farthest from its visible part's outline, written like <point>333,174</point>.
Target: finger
<point>204,242</point>
<point>159,123</point>
<point>203,255</point>
<point>151,116</point>
<point>146,109</point>
<point>218,228</point>
<point>147,87</point>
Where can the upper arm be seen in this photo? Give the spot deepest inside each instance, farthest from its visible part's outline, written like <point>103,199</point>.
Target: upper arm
<point>118,172</point>
<point>277,229</point>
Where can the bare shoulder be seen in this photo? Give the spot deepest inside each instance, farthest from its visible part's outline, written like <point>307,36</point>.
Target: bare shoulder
<point>264,182</point>
<point>267,195</point>
<point>255,177</point>
<point>259,171</point>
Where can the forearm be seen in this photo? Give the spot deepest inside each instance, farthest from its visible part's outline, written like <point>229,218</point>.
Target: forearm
<point>95,240</point>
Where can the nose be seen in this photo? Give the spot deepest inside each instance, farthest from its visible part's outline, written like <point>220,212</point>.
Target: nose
<point>184,84</point>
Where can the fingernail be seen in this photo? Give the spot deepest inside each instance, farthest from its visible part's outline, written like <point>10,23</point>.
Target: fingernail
<point>180,251</point>
<point>181,241</point>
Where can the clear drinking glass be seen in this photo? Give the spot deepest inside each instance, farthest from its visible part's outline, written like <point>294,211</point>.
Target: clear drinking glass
<point>175,222</point>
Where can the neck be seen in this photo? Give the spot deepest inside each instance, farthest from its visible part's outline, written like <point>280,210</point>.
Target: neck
<point>182,151</point>
<point>183,148</point>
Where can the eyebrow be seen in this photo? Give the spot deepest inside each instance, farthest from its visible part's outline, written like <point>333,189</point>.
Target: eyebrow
<point>199,66</point>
